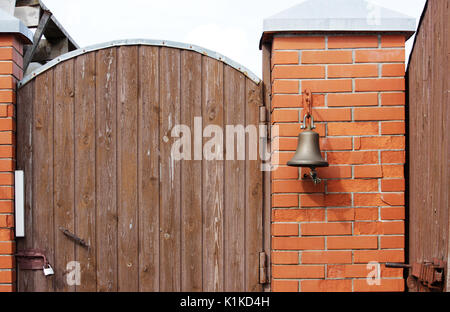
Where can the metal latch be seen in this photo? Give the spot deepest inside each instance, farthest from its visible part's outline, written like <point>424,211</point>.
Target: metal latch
<point>31,259</point>
<point>429,274</point>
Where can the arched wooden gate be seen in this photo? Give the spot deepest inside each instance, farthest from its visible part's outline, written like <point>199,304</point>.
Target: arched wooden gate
<point>94,140</point>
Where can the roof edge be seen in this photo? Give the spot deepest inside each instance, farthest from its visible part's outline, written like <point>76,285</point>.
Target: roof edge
<point>145,42</point>
<point>13,25</point>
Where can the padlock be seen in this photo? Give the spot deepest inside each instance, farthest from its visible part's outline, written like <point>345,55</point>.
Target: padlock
<point>49,270</point>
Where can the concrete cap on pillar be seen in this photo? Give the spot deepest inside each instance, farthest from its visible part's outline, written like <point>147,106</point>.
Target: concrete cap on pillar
<point>341,16</point>
<point>12,25</point>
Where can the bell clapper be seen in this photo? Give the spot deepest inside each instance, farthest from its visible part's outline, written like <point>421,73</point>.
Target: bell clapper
<point>314,176</point>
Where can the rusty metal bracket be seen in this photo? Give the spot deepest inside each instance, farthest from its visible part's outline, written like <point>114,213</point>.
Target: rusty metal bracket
<point>31,259</point>
<point>429,274</point>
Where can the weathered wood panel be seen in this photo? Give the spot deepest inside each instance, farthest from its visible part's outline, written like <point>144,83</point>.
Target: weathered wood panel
<point>96,137</point>
<point>429,143</point>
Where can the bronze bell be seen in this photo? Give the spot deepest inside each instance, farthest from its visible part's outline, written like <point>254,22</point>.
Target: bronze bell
<point>308,151</point>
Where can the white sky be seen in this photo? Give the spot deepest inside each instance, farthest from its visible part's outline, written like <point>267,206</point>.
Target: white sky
<point>230,27</point>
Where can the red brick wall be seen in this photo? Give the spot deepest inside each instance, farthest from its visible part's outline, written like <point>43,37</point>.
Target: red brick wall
<point>11,51</point>
<point>324,236</point>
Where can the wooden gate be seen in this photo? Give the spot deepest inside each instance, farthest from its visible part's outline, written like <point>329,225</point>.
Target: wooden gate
<point>94,140</point>
<point>429,143</point>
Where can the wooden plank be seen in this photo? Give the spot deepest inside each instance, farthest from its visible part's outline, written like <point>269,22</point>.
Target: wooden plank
<point>106,169</point>
<point>213,172</point>
<point>85,169</point>
<point>267,198</point>
<point>43,231</point>
<point>191,178</point>
<point>170,222</point>
<point>127,201</point>
<point>234,181</point>
<point>63,155</point>
<point>148,168</point>
<point>25,128</point>
<point>253,203</point>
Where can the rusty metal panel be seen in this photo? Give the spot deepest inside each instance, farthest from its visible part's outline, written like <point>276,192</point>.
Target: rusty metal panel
<point>429,140</point>
<point>95,138</point>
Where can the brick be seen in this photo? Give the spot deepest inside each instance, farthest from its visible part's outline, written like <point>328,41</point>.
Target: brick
<point>7,96</point>
<point>285,173</point>
<point>6,221</point>
<point>298,271</point>
<point>7,151</point>
<point>6,178</point>
<point>314,229</point>
<point>299,43</point>
<point>321,200</point>
<point>288,101</point>
<point>393,199</point>
<point>366,256</point>
<point>281,200</point>
<point>326,286</point>
<point>358,185</point>
<point>298,72</point>
<point>352,242</point>
<point>368,228</point>
<point>336,144</point>
<point>285,115</point>
<point>379,113</point>
<point>349,42</point>
<point>326,257</point>
<point>6,206</point>
<point>393,99</point>
<point>392,41</point>
<point>352,71</point>
<point>325,86</point>
<point>6,165</point>
<point>364,214</point>
<point>380,56</point>
<point>393,70</point>
<point>353,128</point>
<point>298,243</point>
<point>6,262</point>
<point>393,157</point>
<point>393,171</point>
<point>284,257</point>
<point>347,271</point>
<point>7,248</point>
<point>6,192</point>
<point>296,187</point>
<point>284,286</point>
<point>393,185</point>
<point>6,235</point>
<point>6,68</point>
<point>6,54</point>
<point>351,100</point>
<point>6,137</point>
<point>285,229</point>
<point>285,86</point>
<point>7,276</point>
<point>6,82</point>
<point>392,213</point>
<point>7,124</point>
<point>366,172</point>
<point>282,158</point>
<point>331,114</point>
<point>392,242</point>
<point>285,57</point>
<point>392,128</point>
<point>298,215</point>
<point>390,272</point>
<point>7,288</point>
<point>352,158</point>
<point>327,57</point>
<point>384,84</point>
<point>368,200</point>
<point>386,285</point>
<point>341,214</point>
<point>382,143</point>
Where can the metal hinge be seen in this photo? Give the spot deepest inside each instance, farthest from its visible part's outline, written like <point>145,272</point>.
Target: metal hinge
<point>262,268</point>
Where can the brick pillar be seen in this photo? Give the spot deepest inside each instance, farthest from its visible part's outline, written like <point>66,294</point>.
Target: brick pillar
<point>11,62</point>
<point>324,236</point>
